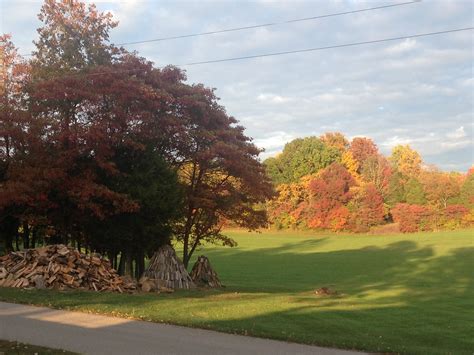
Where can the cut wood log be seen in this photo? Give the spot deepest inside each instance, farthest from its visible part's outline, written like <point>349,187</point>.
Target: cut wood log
<point>60,267</point>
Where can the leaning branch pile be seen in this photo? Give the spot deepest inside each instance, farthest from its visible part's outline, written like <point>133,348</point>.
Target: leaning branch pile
<point>167,270</point>
<point>203,274</point>
<point>60,267</point>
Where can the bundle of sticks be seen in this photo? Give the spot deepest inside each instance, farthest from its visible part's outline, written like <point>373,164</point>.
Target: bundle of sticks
<point>203,274</point>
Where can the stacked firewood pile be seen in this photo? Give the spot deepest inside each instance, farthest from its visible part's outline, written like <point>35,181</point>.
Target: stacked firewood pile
<point>167,271</point>
<point>60,267</point>
<point>203,274</point>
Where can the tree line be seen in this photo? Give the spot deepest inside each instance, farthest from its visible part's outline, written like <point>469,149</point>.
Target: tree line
<point>330,183</point>
<point>102,150</point>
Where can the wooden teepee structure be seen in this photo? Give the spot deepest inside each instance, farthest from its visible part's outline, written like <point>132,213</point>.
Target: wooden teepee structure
<point>168,270</point>
<point>203,274</point>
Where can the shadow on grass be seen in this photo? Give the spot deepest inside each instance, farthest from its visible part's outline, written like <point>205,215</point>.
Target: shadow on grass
<point>398,298</point>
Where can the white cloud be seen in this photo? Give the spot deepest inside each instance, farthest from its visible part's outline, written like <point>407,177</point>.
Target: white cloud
<point>449,145</point>
<point>457,134</point>
<point>402,47</point>
<point>276,99</point>
<point>273,143</point>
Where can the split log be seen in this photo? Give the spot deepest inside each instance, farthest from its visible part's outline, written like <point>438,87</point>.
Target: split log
<point>60,267</point>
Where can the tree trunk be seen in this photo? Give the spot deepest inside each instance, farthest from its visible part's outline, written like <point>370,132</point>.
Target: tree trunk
<point>17,241</point>
<point>126,263</point>
<point>121,266</point>
<point>26,235</point>
<point>185,250</point>
<point>34,233</point>
<point>8,243</point>
<point>110,256</point>
<point>10,229</point>
<point>128,271</point>
<point>139,265</point>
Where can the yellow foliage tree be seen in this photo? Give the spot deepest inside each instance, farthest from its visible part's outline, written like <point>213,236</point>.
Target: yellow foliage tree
<point>351,165</point>
<point>406,160</point>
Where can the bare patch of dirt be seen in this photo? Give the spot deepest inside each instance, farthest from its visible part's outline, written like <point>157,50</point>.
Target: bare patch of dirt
<point>326,291</point>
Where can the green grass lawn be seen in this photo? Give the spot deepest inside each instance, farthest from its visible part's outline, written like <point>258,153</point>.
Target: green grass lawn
<point>15,348</point>
<point>397,293</point>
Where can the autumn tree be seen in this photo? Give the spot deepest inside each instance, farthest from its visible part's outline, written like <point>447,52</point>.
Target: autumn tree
<point>86,106</point>
<point>13,75</point>
<point>285,210</point>
<point>74,36</point>
<point>376,170</point>
<point>329,194</point>
<point>335,140</point>
<point>441,187</point>
<point>367,208</point>
<point>362,148</point>
<point>406,161</point>
<point>413,218</point>
<point>219,169</point>
<point>68,105</point>
<point>351,164</point>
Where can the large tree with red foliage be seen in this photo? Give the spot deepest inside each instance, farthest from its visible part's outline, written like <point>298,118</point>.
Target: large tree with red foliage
<point>218,166</point>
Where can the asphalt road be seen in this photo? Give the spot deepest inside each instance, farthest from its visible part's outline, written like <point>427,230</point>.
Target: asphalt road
<point>94,334</point>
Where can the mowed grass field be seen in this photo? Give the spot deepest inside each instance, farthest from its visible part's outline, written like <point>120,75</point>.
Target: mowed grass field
<point>396,293</point>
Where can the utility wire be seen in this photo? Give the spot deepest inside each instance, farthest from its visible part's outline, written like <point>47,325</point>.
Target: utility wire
<point>267,24</point>
<point>352,44</point>
<point>261,25</point>
<point>327,47</point>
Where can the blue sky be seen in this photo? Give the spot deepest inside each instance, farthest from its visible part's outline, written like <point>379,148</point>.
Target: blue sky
<point>415,91</point>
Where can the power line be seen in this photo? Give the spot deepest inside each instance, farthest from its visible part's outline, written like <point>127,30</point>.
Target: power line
<point>261,25</point>
<point>326,47</point>
<point>352,44</point>
<point>267,24</point>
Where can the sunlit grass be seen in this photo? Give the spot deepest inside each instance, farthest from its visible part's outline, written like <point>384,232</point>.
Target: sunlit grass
<point>396,293</point>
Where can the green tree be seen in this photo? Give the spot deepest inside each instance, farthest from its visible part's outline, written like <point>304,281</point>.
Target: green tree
<point>148,180</point>
<point>300,157</point>
<point>396,189</point>
<point>414,193</point>
<point>467,191</point>
<point>274,170</point>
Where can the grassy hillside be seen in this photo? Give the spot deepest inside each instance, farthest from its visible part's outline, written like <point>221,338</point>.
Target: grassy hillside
<point>396,293</point>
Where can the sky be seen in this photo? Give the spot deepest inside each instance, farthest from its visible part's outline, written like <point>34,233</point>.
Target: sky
<point>417,91</point>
